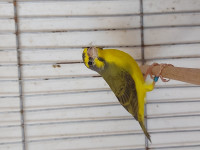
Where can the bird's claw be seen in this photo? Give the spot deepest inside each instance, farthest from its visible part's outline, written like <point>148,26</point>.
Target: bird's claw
<point>149,71</point>
<point>155,78</point>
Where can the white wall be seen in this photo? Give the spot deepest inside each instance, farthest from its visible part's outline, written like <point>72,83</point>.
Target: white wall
<point>71,107</point>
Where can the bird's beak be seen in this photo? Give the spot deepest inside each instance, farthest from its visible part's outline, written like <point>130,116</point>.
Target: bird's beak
<point>92,52</point>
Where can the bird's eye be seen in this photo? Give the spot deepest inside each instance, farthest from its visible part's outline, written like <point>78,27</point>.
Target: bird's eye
<point>90,63</point>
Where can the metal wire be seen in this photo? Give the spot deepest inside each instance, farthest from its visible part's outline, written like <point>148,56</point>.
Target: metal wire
<point>19,73</point>
<point>143,61</point>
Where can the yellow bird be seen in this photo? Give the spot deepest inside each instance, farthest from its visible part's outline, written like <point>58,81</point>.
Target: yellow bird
<point>124,77</point>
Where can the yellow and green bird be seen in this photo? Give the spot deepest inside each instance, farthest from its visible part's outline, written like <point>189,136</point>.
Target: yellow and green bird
<point>124,77</point>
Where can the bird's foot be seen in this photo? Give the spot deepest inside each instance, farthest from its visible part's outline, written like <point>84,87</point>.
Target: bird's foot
<point>156,77</point>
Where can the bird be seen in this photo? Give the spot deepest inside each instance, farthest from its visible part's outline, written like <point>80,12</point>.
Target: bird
<point>124,77</point>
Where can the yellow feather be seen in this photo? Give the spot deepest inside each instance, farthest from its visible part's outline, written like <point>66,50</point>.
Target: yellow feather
<point>131,66</point>
<point>116,62</point>
<point>86,59</point>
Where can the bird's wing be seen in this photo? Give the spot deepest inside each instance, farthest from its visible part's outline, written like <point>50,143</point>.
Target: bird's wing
<point>124,88</point>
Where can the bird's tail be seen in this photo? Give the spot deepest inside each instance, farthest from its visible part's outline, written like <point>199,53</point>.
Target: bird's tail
<point>144,130</point>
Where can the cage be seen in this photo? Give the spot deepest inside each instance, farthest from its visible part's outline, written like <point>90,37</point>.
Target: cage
<point>50,101</point>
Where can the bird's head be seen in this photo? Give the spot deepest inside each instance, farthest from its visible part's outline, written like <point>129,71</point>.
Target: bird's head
<point>92,58</point>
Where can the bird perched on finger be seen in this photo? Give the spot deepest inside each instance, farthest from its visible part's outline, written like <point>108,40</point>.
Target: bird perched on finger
<point>124,77</point>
